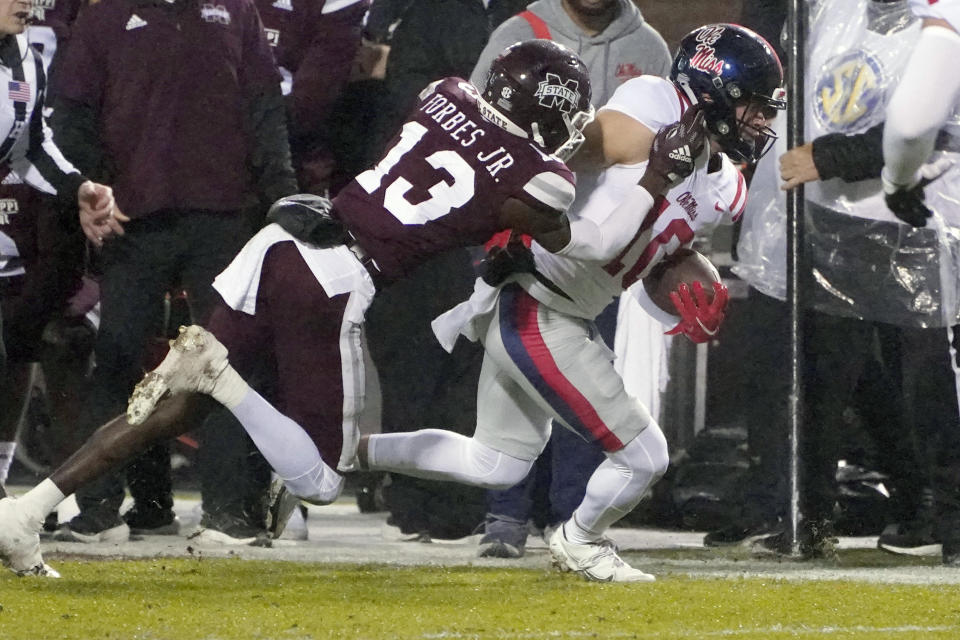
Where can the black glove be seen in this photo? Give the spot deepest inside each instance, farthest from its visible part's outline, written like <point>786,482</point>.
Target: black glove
<point>907,203</point>
<point>507,253</point>
<point>675,149</point>
<point>308,217</point>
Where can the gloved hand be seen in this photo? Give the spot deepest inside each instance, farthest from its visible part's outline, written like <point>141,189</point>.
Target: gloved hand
<point>507,253</point>
<point>675,149</point>
<point>308,217</point>
<point>907,202</point>
<point>700,318</point>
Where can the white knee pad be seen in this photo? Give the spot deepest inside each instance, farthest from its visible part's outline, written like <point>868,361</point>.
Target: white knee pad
<point>648,452</point>
<point>621,481</point>
<point>492,469</point>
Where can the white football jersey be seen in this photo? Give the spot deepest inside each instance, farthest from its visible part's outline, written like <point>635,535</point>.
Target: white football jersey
<point>696,205</point>
<point>948,10</point>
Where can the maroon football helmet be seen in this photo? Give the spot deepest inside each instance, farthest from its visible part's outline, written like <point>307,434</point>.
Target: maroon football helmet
<point>542,90</point>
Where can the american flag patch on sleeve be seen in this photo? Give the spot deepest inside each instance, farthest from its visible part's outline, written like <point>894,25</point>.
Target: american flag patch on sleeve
<point>17,90</point>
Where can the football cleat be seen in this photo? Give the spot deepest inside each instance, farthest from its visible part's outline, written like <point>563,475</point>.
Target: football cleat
<point>597,561</point>
<point>20,543</point>
<point>195,361</point>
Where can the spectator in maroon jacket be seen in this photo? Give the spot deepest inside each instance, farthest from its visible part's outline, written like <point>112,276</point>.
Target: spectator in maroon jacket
<point>179,103</point>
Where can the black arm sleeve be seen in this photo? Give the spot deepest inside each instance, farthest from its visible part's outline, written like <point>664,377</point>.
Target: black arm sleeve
<point>270,162</point>
<point>66,184</point>
<point>850,157</point>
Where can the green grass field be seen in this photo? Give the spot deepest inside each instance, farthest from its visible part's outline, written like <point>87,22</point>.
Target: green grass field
<point>224,599</point>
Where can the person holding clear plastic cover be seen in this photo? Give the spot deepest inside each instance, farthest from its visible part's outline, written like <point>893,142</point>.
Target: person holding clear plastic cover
<point>902,308</point>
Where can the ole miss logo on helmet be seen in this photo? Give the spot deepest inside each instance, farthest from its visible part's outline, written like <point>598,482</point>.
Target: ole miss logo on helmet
<point>705,58</point>
<point>554,93</point>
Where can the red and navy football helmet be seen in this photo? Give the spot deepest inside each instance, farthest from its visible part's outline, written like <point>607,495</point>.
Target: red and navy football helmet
<point>723,66</point>
<point>542,89</point>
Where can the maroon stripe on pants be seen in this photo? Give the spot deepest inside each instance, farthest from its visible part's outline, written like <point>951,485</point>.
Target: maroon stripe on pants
<point>290,350</point>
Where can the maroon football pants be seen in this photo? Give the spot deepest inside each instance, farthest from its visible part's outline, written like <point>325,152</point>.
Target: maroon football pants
<point>291,349</point>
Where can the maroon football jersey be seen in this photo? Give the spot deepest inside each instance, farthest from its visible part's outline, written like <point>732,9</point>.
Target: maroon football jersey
<point>443,180</point>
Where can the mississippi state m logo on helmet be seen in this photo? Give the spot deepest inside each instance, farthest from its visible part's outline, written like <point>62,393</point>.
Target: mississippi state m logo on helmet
<point>554,93</point>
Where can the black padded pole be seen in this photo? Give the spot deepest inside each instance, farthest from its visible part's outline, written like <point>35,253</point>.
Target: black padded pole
<point>796,29</point>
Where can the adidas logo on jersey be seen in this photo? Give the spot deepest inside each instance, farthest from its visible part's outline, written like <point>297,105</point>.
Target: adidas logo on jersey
<point>135,22</point>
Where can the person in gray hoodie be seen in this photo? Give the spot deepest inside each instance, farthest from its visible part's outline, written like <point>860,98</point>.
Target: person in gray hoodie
<point>610,36</point>
<point>616,44</point>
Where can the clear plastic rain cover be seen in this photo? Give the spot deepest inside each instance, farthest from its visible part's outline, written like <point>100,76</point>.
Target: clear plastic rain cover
<point>864,262</point>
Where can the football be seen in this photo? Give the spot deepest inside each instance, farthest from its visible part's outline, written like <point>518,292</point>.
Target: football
<point>684,265</point>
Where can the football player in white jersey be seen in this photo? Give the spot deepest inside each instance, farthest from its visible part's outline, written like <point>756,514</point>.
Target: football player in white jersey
<point>927,97</point>
<point>543,360</point>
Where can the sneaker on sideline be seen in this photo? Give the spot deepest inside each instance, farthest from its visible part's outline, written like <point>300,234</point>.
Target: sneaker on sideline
<point>911,539</point>
<point>20,544</point>
<point>503,537</point>
<point>226,530</point>
<point>151,521</point>
<point>195,360</point>
<point>90,530</point>
<point>598,561</point>
<point>740,533</point>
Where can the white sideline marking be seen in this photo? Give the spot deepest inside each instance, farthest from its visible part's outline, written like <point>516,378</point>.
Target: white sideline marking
<point>723,633</point>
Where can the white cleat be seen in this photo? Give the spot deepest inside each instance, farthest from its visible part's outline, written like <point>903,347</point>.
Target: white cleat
<point>195,360</point>
<point>597,561</point>
<point>20,544</point>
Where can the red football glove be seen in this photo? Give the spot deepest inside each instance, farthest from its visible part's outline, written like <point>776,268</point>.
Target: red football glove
<point>700,319</point>
<point>507,253</point>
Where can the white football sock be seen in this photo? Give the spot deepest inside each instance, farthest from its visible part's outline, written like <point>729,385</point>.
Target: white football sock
<point>618,485</point>
<point>288,448</point>
<point>40,501</point>
<point>229,389</point>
